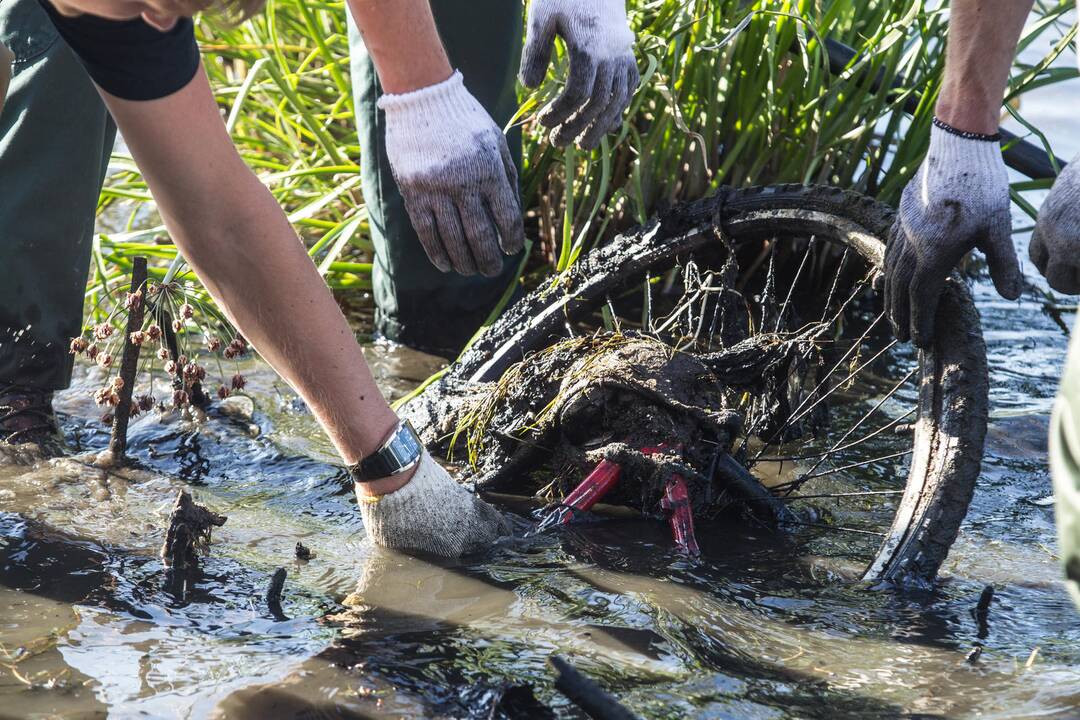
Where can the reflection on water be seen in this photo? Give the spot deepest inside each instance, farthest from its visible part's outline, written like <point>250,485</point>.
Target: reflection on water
<point>90,623</point>
<point>759,629</point>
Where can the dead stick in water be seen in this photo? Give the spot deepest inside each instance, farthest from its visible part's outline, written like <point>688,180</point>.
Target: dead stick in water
<point>129,363</point>
<point>586,694</point>
<point>273,594</point>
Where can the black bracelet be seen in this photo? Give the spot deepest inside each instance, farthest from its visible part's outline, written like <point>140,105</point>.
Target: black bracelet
<point>966,134</point>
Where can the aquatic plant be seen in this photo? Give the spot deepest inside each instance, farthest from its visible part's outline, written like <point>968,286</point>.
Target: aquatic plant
<point>732,93</point>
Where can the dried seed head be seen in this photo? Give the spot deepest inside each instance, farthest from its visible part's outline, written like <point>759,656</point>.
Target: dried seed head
<point>92,351</point>
<point>182,360</point>
<point>134,409</point>
<point>103,330</point>
<point>222,392</point>
<point>152,288</point>
<point>138,337</point>
<point>133,300</point>
<point>238,346</point>
<point>107,396</point>
<point>118,383</point>
<point>146,402</point>
<point>153,331</point>
<point>163,353</point>
<point>213,344</point>
<point>229,353</point>
<point>170,367</point>
<point>78,345</point>
<point>179,398</point>
<point>107,418</point>
<point>104,360</point>
<point>238,382</point>
<point>186,311</point>
<point>177,326</point>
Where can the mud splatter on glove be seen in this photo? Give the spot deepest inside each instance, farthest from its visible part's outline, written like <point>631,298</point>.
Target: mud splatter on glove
<point>1055,244</point>
<point>957,201</point>
<point>432,514</point>
<point>603,72</point>
<point>456,175</point>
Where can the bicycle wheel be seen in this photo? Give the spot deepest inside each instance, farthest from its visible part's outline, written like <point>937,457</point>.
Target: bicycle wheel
<point>877,444</point>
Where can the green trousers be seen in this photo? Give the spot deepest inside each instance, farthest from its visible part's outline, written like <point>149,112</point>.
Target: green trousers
<point>415,303</point>
<point>55,140</point>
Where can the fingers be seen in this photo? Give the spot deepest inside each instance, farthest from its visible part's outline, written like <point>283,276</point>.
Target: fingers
<point>428,232</point>
<point>506,211</point>
<point>578,88</point>
<point>1063,277</point>
<point>505,206</point>
<point>611,118</point>
<point>482,237</point>
<point>453,237</point>
<point>537,54</point>
<point>1001,259</point>
<point>899,269</point>
<point>598,102</point>
<point>1038,252</point>
<point>925,293</point>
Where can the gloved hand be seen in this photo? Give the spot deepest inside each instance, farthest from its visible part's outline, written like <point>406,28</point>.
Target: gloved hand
<point>456,176</point>
<point>432,514</point>
<point>957,201</point>
<point>1055,244</point>
<point>603,72</point>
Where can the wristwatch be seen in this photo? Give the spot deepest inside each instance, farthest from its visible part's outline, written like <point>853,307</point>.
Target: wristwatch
<point>400,452</point>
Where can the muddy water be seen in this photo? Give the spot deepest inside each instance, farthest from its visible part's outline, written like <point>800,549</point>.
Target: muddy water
<point>90,624</point>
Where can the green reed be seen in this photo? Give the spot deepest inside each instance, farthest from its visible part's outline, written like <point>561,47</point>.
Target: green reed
<point>733,92</point>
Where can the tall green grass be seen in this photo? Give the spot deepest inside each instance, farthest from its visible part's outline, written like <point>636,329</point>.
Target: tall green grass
<point>733,92</point>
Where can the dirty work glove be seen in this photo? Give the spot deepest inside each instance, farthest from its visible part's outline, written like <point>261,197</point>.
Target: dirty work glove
<point>957,201</point>
<point>603,72</point>
<point>456,176</point>
<point>432,514</point>
<point>1055,244</point>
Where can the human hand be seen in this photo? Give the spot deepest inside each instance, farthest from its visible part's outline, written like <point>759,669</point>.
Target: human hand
<point>1055,244</point>
<point>432,514</point>
<point>957,201</point>
<point>603,72</point>
<point>456,175</point>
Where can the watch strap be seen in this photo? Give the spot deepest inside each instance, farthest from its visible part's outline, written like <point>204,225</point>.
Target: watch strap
<point>400,452</point>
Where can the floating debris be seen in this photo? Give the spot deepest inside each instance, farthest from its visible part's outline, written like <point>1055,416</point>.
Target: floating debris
<point>189,530</point>
<point>273,594</point>
<point>303,552</point>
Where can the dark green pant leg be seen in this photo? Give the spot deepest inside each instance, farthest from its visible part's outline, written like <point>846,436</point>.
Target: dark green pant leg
<point>55,140</point>
<point>415,303</point>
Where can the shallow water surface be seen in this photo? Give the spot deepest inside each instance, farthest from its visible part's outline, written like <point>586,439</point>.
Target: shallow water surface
<point>91,624</point>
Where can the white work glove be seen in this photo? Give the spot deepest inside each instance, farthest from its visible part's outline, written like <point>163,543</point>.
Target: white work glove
<point>1055,244</point>
<point>603,72</point>
<point>456,176</point>
<point>957,201</point>
<point>432,514</point>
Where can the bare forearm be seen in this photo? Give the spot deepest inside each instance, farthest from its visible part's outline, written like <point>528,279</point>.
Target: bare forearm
<point>403,41</point>
<point>982,42</point>
<point>238,240</point>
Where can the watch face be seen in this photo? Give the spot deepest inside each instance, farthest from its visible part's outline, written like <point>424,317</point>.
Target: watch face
<point>401,451</point>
